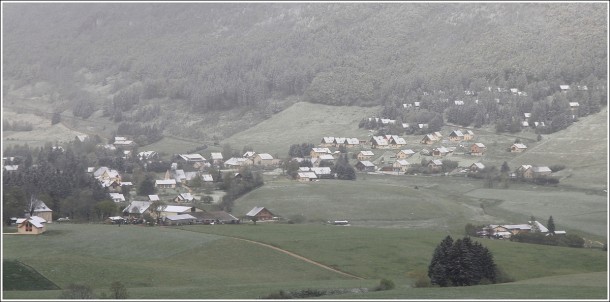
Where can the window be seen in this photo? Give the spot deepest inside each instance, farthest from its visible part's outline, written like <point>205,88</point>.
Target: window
<point>28,227</point>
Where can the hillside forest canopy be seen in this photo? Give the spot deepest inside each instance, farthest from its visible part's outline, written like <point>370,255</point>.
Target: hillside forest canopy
<point>134,61</point>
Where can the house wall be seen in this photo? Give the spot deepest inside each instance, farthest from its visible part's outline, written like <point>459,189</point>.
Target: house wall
<point>35,231</point>
<point>264,215</point>
<point>48,216</point>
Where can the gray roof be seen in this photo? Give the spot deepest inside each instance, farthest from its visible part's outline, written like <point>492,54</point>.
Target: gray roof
<point>141,206</point>
<point>255,211</point>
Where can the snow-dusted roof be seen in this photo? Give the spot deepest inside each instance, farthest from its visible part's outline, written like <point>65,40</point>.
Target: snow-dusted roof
<point>179,217</point>
<point>307,175</point>
<point>141,206</point>
<point>367,153</point>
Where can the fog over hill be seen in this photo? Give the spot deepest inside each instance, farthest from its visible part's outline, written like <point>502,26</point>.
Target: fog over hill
<point>128,61</point>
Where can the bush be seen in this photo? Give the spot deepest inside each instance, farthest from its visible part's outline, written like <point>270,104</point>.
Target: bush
<point>556,168</point>
<point>421,279</point>
<point>77,291</point>
<point>385,284</point>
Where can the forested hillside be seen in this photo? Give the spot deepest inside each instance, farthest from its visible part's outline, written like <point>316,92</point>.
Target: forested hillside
<point>208,57</point>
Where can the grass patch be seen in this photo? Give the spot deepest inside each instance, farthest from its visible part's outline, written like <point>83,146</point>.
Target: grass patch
<point>18,276</point>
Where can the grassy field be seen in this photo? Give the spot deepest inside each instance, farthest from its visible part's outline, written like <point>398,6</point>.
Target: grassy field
<point>203,262</point>
<point>302,122</point>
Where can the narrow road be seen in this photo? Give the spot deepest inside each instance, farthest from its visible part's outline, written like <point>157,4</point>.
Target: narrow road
<point>300,257</point>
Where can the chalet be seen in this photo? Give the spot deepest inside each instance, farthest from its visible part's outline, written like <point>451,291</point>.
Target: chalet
<point>263,159</point>
<point>537,172</point>
<point>379,142</point>
<point>306,176</point>
<point>365,155</point>
<point>339,141</point>
<point>402,154</point>
<point>327,141</point>
<point>401,165</point>
<point>477,149</point>
<point>32,225</point>
<point>518,148</point>
<point>395,141</point>
<point>564,88</point>
<point>165,183</point>
<point>352,142</point>
<point>435,166</point>
<point>107,175</point>
<point>316,152</point>
<point>440,151</point>
<point>137,208</point>
<point>468,135</point>
<point>476,167</point>
<point>179,219</point>
<point>117,197</point>
<point>216,158</point>
<point>365,166</point>
<point>429,139</point>
<point>184,197</point>
<point>456,136</point>
<point>261,213</point>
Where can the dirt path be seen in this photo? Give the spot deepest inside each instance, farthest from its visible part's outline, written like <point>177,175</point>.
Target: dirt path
<point>299,257</point>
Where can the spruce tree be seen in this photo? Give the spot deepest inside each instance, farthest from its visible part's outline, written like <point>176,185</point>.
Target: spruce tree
<point>551,225</point>
<point>437,270</point>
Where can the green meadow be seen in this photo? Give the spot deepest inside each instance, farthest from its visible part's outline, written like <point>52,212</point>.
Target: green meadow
<point>206,262</point>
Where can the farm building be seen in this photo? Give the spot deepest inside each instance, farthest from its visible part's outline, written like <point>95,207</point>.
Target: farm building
<point>515,148</point>
<point>261,213</point>
<point>477,149</point>
<point>214,217</point>
<point>179,219</point>
<point>536,172</point>
<point>32,225</point>
<point>176,210</point>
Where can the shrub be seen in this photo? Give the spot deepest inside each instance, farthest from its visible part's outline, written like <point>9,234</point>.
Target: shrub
<point>385,284</point>
<point>421,279</point>
<point>77,291</point>
<point>556,168</point>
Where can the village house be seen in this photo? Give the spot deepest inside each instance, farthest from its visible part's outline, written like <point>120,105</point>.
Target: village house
<point>136,209</point>
<point>379,142</point>
<point>306,176</point>
<point>435,166</point>
<point>153,197</point>
<point>184,197</point>
<point>456,136</point>
<point>477,149</point>
<point>327,141</point>
<point>508,230</point>
<point>402,154</point>
<point>521,170</point>
<point>352,142</point>
<point>117,197</point>
<point>179,219</point>
<point>322,172</point>
<point>165,183</point>
<point>395,141</point>
<point>440,152</point>
<point>365,155</point>
<point>106,176</point>
<point>515,148</point>
<point>429,139</point>
<point>537,172</point>
<point>339,141</point>
<point>401,165</point>
<point>365,166</point>
<point>216,158</point>
<point>468,135</point>
<point>476,167</point>
<point>316,152</point>
<point>264,159</point>
<point>41,210</point>
<point>260,213</point>
<point>192,158</point>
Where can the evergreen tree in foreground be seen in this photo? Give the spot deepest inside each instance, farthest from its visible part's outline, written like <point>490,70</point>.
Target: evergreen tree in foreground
<point>461,263</point>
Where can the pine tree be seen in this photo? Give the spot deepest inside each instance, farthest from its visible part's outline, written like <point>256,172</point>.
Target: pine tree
<point>437,270</point>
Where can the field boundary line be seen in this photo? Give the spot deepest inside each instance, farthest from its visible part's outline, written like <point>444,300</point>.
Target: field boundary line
<point>299,257</point>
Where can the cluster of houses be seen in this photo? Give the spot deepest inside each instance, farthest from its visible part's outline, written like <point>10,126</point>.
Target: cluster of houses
<point>505,231</point>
